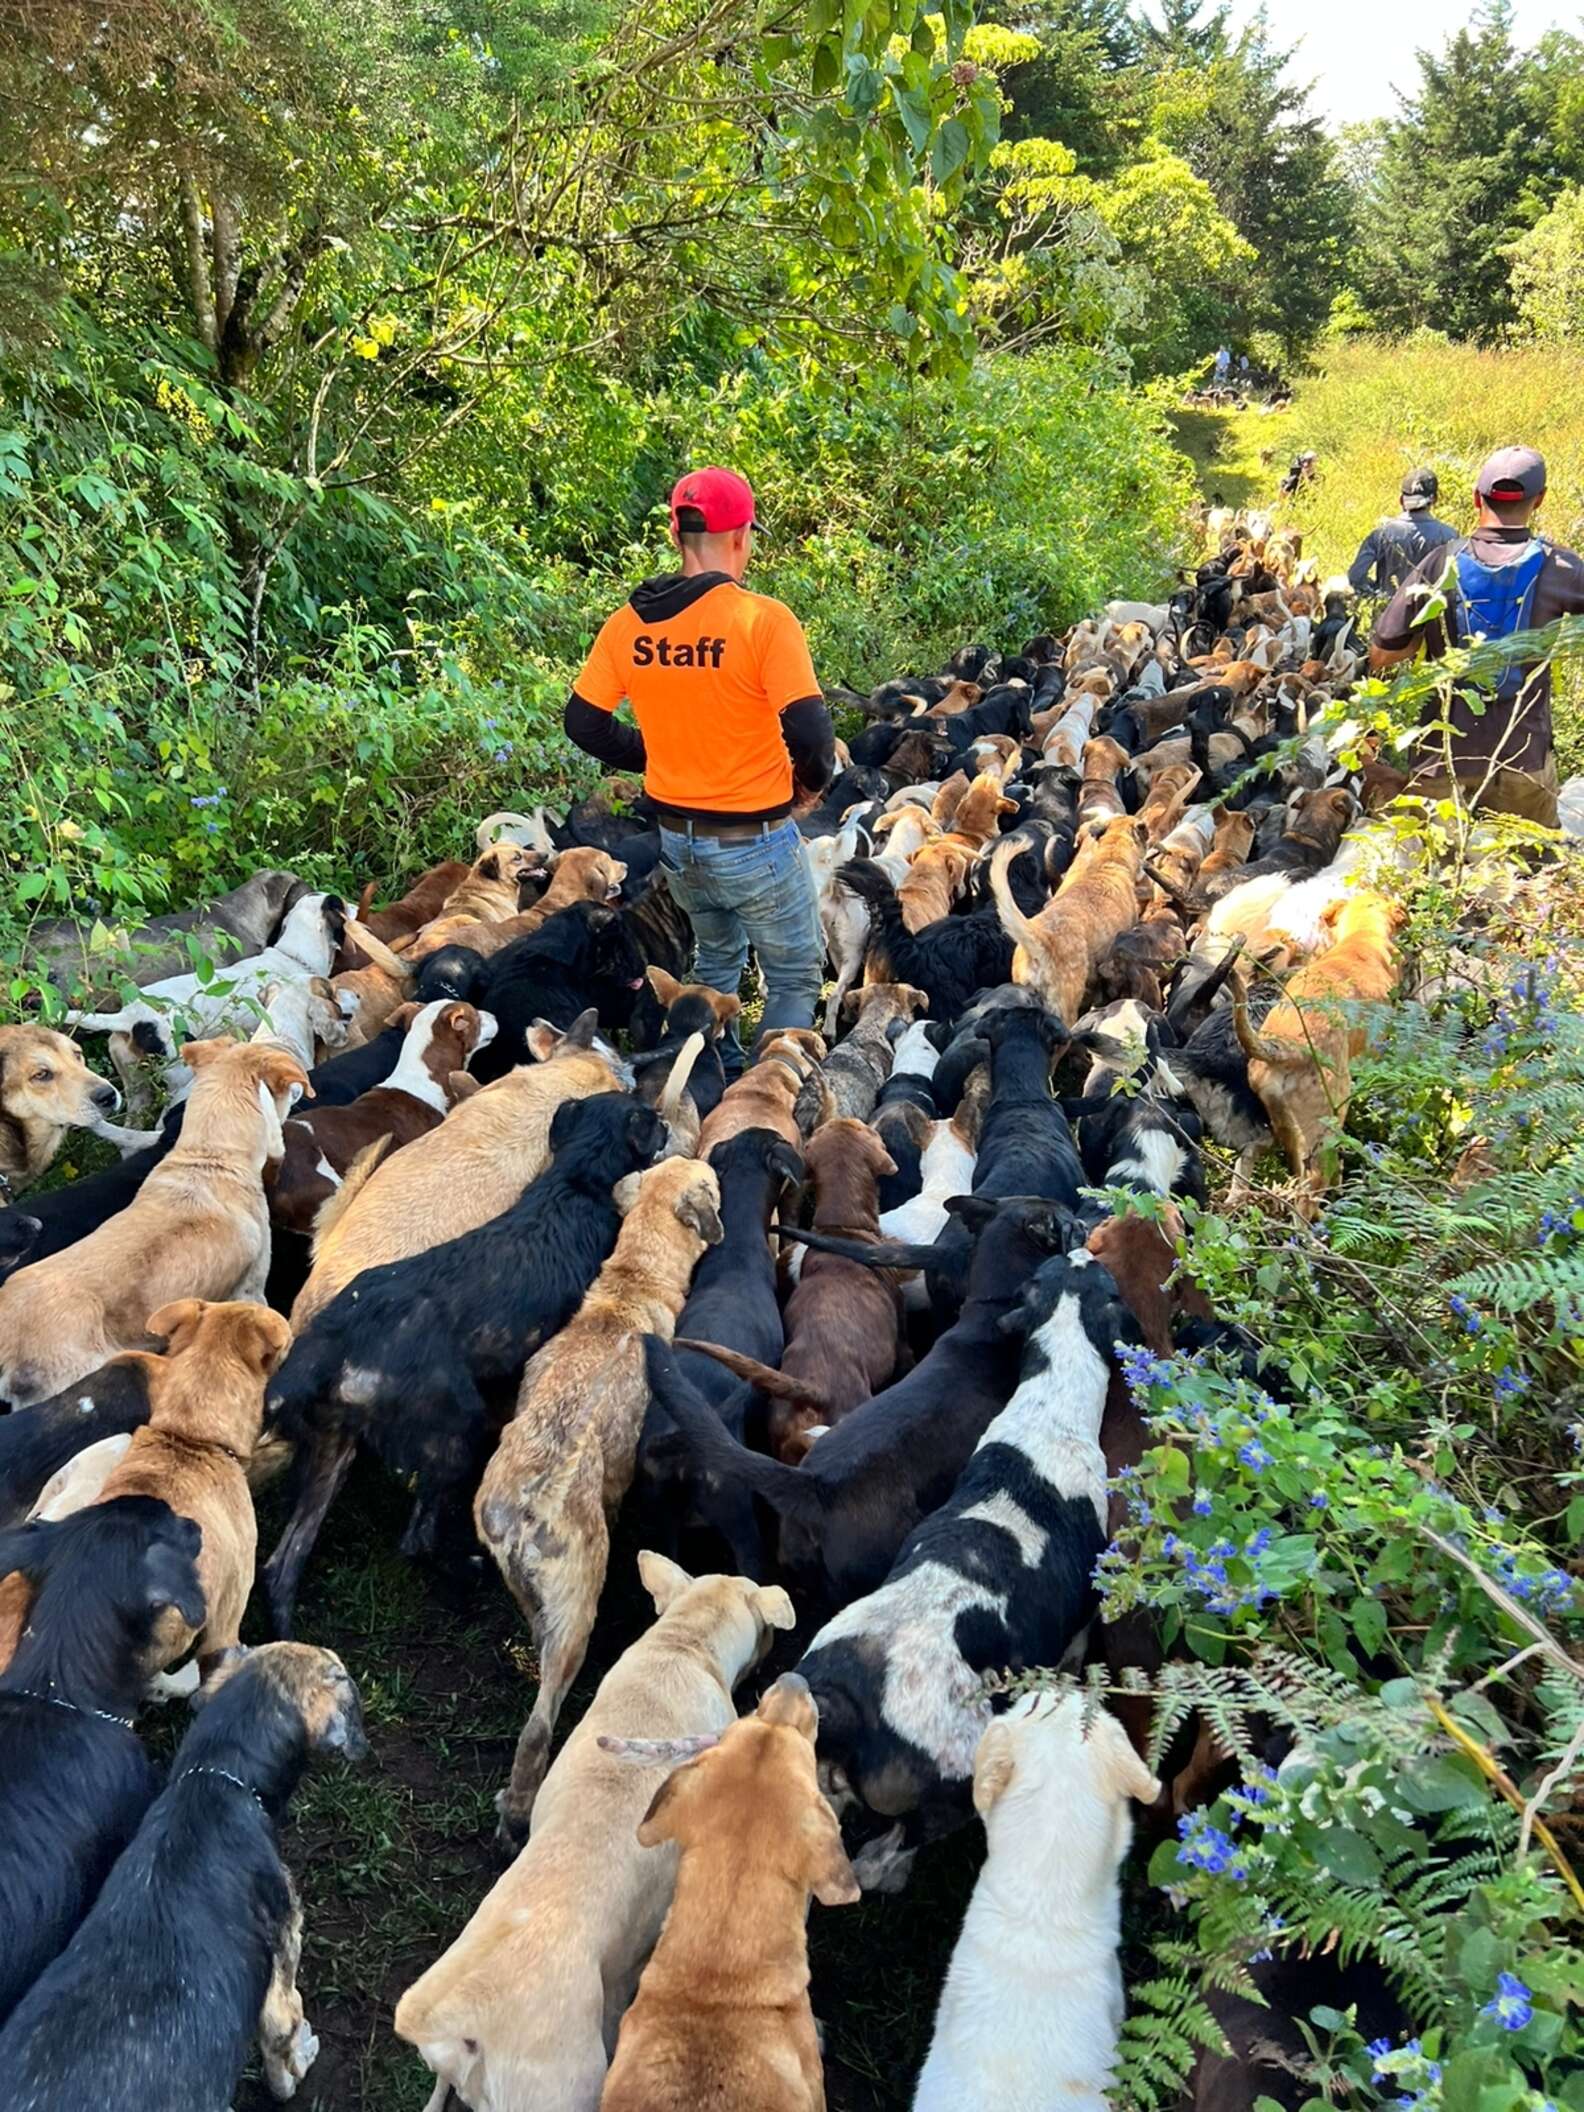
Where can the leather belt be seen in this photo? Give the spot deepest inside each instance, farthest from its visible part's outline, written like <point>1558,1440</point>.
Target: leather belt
<point>721,832</point>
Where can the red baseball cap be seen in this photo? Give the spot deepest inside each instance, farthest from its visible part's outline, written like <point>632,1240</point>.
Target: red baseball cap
<point>725,499</point>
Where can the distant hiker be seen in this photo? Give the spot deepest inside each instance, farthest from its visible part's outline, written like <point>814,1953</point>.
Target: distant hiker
<point>1303,468</point>
<point>730,724</point>
<point>1393,547</point>
<point>1499,581</point>
<point>1223,362</point>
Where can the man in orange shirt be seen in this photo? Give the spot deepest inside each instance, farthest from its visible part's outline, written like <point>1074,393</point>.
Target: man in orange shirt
<point>731,727</point>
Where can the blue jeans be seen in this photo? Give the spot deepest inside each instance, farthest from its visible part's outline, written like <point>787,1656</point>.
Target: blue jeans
<point>756,891</point>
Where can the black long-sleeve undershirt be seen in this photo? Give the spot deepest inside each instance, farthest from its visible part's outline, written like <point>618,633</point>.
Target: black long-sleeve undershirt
<point>602,735</point>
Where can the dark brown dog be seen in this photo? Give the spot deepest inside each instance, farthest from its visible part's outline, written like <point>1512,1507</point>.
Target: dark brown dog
<point>843,1321</point>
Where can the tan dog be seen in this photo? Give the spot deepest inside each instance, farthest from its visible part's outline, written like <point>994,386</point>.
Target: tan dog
<point>580,875</point>
<point>489,895</point>
<point>206,1401</point>
<point>977,821</point>
<point>1099,799</point>
<point>1058,951</point>
<point>523,2009</point>
<point>722,2015</point>
<point>197,1228</point>
<point>565,1460</point>
<point>669,991</point>
<point>1234,839</point>
<point>470,1169</point>
<point>766,1095</point>
<point>1169,793</point>
<point>1300,1058</point>
<point>935,879</point>
<point>423,901</point>
<point>949,796</point>
<point>45,1089</point>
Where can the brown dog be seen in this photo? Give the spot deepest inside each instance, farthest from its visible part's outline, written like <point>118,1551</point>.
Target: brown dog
<point>422,902</point>
<point>722,2015</point>
<point>1058,951</point>
<point>670,992</point>
<point>428,1080</point>
<point>935,878</point>
<point>206,1401</point>
<point>766,1095</point>
<point>45,1089</point>
<point>198,1227</point>
<point>580,875</point>
<point>1169,793</point>
<point>977,821</point>
<point>565,1460</point>
<point>489,895</point>
<point>1234,839</point>
<point>1300,1059</point>
<point>843,1321</point>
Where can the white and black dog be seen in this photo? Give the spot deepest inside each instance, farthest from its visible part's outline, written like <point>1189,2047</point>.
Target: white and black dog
<point>999,1577</point>
<point>182,1007</point>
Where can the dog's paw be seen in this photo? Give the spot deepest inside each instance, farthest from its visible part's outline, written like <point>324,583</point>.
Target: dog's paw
<point>301,2052</point>
<point>884,1865</point>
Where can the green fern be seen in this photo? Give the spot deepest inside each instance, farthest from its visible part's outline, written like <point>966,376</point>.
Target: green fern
<point>1168,2025</point>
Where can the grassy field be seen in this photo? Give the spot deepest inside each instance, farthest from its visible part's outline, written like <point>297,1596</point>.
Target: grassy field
<point>1376,410</point>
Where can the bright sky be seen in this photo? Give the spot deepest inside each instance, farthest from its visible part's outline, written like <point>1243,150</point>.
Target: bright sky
<point>1357,51</point>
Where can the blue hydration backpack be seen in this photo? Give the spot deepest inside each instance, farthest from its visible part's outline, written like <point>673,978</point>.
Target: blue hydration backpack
<point>1494,601</point>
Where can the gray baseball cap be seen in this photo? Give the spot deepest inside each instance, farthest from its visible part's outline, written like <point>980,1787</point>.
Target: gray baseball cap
<point>1419,490</point>
<point>1512,473</point>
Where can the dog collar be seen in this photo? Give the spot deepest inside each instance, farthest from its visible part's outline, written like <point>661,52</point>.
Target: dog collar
<point>225,1775</point>
<point>76,1707</point>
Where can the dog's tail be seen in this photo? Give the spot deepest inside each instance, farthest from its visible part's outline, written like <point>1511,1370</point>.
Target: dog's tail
<point>785,1489</point>
<point>776,1385</point>
<point>1013,922</point>
<point>121,1022</point>
<point>881,1253</point>
<point>356,1179</point>
<point>1259,1046</point>
<point>681,1072</point>
<point>1193,992</point>
<point>377,951</point>
<point>528,830</point>
<point>366,899</point>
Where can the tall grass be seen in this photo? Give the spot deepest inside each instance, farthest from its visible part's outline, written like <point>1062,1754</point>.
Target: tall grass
<point>1379,408</point>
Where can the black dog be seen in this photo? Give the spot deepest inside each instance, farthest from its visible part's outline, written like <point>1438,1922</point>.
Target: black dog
<point>190,1951</point>
<point>732,1301</point>
<point>398,1356</point>
<point>568,965</point>
<point>952,959</point>
<point>77,1781</point>
<point>19,1235</point>
<point>841,1516</point>
<point>35,1444</point>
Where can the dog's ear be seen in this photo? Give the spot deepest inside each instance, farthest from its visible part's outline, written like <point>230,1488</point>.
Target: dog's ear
<point>665,987</point>
<point>994,1767</point>
<point>262,1337</point>
<point>580,1035</point>
<point>24,1551</point>
<point>176,1324</point>
<point>664,1580</point>
<point>772,1606</point>
<point>404,1015</point>
<point>974,1211</point>
<point>1127,1774</point>
<point>699,1208</point>
<point>281,1074</point>
<point>725,1008</point>
<point>490,866</point>
<point>782,1159</point>
<point>462,1085</point>
<point>195,1054</point>
<point>829,1874</point>
<point>543,1040</point>
<point>665,1819</point>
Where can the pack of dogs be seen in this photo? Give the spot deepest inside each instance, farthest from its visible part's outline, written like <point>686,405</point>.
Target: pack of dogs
<point>479,1183</point>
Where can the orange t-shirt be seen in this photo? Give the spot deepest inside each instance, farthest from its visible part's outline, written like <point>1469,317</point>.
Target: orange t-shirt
<point>708,685</point>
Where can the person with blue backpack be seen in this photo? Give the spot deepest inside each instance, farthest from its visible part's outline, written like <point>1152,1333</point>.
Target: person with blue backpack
<point>1501,580</point>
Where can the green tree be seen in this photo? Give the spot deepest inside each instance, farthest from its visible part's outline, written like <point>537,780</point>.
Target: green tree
<point>1548,271</point>
<point>1452,188</point>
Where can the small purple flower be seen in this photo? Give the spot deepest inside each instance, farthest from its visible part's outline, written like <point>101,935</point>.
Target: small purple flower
<point>1203,1504</point>
<point>1319,1500</point>
<point>1254,1456</point>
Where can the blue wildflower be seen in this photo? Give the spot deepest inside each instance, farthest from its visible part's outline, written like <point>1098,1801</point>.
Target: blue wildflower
<point>1318,1500</point>
<point>1203,1504</point>
<point>1511,2005</point>
<point>1509,1381</point>
<point>1254,1456</point>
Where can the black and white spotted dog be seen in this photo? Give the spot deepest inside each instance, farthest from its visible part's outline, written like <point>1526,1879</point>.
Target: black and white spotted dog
<point>999,1577</point>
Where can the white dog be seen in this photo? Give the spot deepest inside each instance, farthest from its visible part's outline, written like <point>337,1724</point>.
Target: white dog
<point>1032,2005</point>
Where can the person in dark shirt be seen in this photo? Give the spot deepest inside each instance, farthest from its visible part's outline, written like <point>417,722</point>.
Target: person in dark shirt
<point>1392,549</point>
<point>1502,756</point>
<point>731,729</point>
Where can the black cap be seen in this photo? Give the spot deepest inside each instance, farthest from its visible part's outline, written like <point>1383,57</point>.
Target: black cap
<point>1511,473</point>
<point>1420,490</point>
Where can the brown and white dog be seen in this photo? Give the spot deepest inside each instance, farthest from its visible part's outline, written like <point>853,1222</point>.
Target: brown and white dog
<point>198,1227</point>
<point>565,1460</point>
<point>756,1838</point>
<point>45,1089</point>
<point>428,1080</point>
<point>581,875</point>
